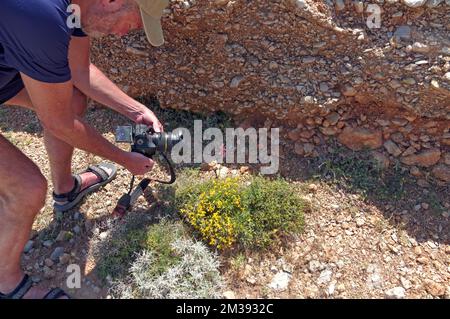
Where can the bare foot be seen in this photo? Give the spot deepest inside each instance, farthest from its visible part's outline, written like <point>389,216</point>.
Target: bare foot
<point>88,179</point>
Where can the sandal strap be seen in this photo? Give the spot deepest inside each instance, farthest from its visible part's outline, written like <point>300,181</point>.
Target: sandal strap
<point>70,195</point>
<point>21,289</point>
<point>56,293</point>
<point>99,172</point>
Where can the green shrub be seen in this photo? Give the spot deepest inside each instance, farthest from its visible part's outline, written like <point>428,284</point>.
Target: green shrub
<point>159,239</point>
<point>275,209</point>
<point>116,255</point>
<point>121,248</point>
<point>228,212</point>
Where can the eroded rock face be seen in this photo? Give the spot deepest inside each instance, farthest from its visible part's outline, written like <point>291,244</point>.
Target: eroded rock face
<point>313,67</point>
<point>287,58</point>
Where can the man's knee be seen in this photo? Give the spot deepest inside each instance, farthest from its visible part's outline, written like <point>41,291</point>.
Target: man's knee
<point>29,195</point>
<point>79,102</point>
<point>39,186</point>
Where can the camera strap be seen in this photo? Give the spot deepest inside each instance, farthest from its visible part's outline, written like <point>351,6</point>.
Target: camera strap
<point>127,200</point>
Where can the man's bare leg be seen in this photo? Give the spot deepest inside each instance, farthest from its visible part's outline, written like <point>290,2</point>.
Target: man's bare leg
<point>22,195</point>
<point>59,152</point>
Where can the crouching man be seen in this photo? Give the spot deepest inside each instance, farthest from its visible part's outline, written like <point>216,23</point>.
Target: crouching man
<point>45,66</point>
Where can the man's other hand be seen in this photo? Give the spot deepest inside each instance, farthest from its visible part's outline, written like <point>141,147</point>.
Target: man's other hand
<point>149,118</point>
<point>138,164</point>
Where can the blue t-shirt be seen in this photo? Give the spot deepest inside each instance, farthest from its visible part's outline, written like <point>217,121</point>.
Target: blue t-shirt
<point>34,40</point>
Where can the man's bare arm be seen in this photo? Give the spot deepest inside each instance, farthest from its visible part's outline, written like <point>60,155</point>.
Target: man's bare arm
<point>93,83</point>
<point>52,105</point>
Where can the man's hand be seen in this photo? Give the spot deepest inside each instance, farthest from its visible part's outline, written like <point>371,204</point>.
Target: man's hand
<point>149,118</point>
<point>138,164</point>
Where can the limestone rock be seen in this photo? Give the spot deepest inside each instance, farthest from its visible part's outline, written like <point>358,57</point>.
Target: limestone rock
<point>434,3</point>
<point>229,294</point>
<point>426,158</point>
<point>280,281</point>
<point>234,57</point>
<point>361,138</point>
<point>414,3</point>
<point>392,148</point>
<point>396,293</point>
<point>442,172</point>
<point>435,289</point>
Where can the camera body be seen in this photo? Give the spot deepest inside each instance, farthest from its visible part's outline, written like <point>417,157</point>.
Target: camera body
<point>145,140</point>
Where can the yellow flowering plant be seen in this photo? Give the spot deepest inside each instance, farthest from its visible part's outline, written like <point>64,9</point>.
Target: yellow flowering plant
<point>227,213</point>
<point>212,215</point>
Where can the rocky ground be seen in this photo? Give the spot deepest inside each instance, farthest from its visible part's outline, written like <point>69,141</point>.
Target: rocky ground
<point>354,245</point>
<point>353,249</point>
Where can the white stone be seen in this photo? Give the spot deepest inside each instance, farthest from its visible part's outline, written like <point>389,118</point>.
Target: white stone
<point>434,3</point>
<point>300,3</point>
<point>340,5</point>
<point>314,265</point>
<point>324,277</point>
<point>103,235</point>
<point>229,295</point>
<point>414,3</point>
<point>376,280</point>
<point>395,293</point>
<point>405,283</point>
<point>280,281</point>
<point>360,221</point>
<point>223,172</point>
<point>236,81</point>
<point>331,288</point>
<point>420,48</point>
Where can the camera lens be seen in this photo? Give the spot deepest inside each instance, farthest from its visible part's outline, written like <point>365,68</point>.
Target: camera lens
<point>166,141</point>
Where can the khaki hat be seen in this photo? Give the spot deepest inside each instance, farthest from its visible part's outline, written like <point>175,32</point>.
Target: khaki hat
<point>151,12</point>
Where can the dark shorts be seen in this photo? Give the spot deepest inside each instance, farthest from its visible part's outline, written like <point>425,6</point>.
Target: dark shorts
<point>11,88</point>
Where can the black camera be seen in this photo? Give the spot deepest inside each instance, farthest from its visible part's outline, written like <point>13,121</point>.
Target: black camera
<point>145,140</point>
